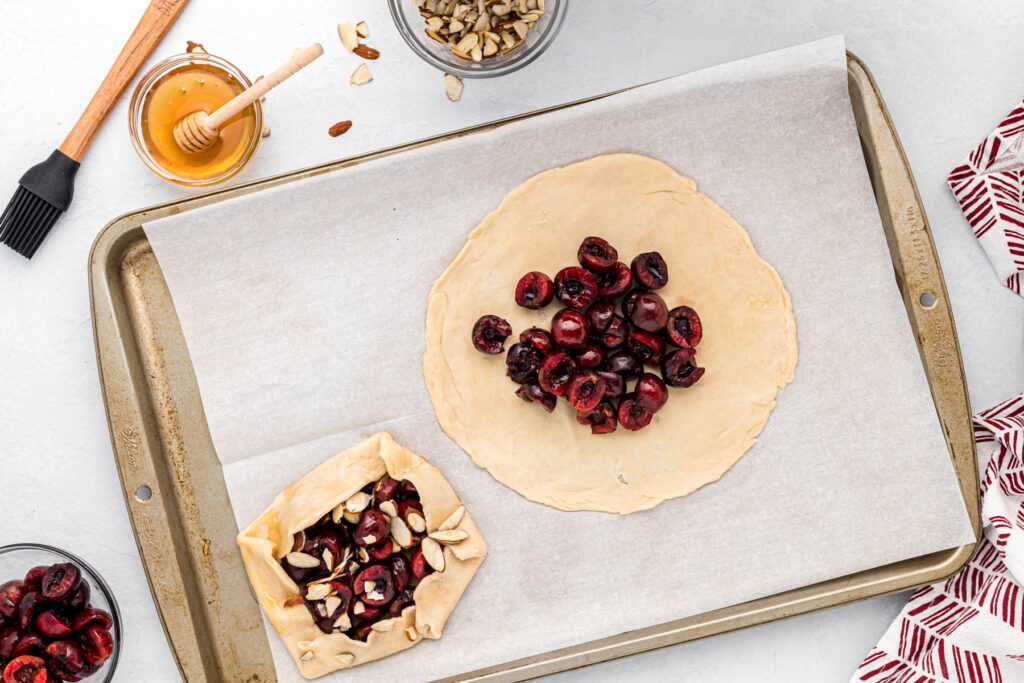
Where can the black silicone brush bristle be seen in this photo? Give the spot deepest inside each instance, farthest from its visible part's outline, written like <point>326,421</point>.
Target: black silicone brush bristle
<point>43,194</point>
<point>26,222</point>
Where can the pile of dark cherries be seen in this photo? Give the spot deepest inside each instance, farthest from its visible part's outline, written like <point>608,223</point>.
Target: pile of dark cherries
<point>614,325</point>
<point>345,605</point>
<point>48,630</point>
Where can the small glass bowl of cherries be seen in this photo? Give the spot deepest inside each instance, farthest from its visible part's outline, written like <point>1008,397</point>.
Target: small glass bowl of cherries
<point>595,353</point>
<point>58,619</point>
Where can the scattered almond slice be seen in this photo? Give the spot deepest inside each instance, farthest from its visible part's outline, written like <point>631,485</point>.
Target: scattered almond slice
<point>362,30</point>
<point>452,87</point>
<point>306,656</point>
<point>366,52</point>
<point>317,591</point>
<point>450,536</point>
<point>302,560</point>
<point>433,554</point>
<point>345,659</point>
<point>357,502</point>
<point>348,35</point>
<point>360,76</point>
<point>265,131</point>
<point>453,519</point>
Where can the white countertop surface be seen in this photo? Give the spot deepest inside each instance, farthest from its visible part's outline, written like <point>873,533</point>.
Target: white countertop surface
<point>949,70</point>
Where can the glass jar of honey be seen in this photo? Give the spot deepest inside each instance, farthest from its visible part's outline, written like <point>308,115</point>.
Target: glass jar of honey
<point>177,87</point>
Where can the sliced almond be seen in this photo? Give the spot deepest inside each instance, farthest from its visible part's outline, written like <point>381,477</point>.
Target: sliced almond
<point>450,536</point>
<point>476,54</point>
<point>389,508</point>
<point>400,532</point>
<point>454,519</point>
<point>435,23</point>
<point>338,513</point>
<point>369,586</point>
<point>357,502</point>
<point>483,22</point>
<point>345,659</point>
<point>329,560</point>
<point>306,656</point>
<point>300,540</point>
<point>302,560</point>
<point>358,608</point>
<point>490,48</point>
<point>453,89</point>
<point>363,555</point>
<point>370,539</point>
<point>348,35</point>
<point>362,30</point>
<point>433,554</point>
<point>454,26</point>
<point>433,34</point>
<point>350,517</point>
<point>468,43</point>
<point>416,522</point>
<point>395,548</point>
<point>317,591</point>
<point>332,603</point>
<point>521,28</point>
<point>294,601</point>
<point>366,52</point>
<point>360,76</point>
<point>343,622</point>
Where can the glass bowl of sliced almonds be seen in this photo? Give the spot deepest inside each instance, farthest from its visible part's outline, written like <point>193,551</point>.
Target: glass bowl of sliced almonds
<point>479,38</point>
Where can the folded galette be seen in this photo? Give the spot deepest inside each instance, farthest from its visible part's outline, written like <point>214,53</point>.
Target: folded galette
<point>361,558</point>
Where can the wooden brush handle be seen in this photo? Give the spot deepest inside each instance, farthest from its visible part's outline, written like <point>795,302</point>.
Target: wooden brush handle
<point>300,58</point>
<point>151,29</point>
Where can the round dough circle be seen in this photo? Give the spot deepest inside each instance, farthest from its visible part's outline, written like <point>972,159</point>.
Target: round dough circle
<point>638,204</point>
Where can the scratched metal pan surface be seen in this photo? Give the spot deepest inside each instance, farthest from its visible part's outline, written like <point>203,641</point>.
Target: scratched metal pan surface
<point>185,528</point>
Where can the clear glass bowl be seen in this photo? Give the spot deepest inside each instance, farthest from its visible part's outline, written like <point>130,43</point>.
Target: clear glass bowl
<point>149,81</point>
<point>17,559</point>
<point>413,29</point>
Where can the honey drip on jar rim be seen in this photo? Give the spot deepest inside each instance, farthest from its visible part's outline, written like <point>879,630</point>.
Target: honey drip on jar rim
<point>180,92</point>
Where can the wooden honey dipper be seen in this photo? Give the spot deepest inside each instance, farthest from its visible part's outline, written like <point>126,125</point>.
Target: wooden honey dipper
<point>198,131</point>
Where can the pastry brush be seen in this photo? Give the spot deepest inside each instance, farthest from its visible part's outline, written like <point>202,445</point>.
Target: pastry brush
<point>45,191</point>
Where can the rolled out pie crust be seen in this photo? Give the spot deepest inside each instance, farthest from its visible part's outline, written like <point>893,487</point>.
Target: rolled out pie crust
<point>270,537</point>
<point>638,204</point>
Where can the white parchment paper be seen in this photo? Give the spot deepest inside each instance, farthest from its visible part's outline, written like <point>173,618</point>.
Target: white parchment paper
<point>303,307</point>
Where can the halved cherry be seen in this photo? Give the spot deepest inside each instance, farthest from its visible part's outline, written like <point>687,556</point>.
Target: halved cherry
<point>53,625</point>
<point>575,287</point>
<point>375,585</point>
<point>29,644</point>
<point>26,669</point>
<point>531,392</point>
<point>586,390</point>
<point>92,615</point>
<point>534,290</point>
<point>9,637</point>
<point>649,312</point>
<point>29,606</point>
<point>601,419</point>
<point>650,270</point>
<point>490,333</point>
<point>538,339</point>
<point>420,567</point>
<point>570,329</point>
<point>80,599</point>
<point>522,362</point>
<point>624,363</point>
<point>34,578</point>
<point>616,334</point>
<point>647,346</point>
<point>651,392</point>
<point>401,601</point>
<point>61,581</point>
<point>683,326</point>
<point>401,572</point>
<point>614,384</point>
<point>615,282</point>
<point>679,370</point>
<point>98,644</point>
<point>555,373</point>
<point>11,594</point>
<point>596,255</point>
<point>68,654</point>
<point>599,315</point>
<point>632,415</point>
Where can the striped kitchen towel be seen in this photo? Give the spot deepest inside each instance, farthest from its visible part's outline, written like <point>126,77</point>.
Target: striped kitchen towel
<point>970,628</point>
<point>990,188</point>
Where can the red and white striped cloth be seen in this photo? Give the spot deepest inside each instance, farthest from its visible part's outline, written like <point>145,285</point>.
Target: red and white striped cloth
<point>989,185</point>
<point>970,628</point>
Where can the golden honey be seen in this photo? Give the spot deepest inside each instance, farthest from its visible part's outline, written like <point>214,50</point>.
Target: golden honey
<point>181,86</point>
